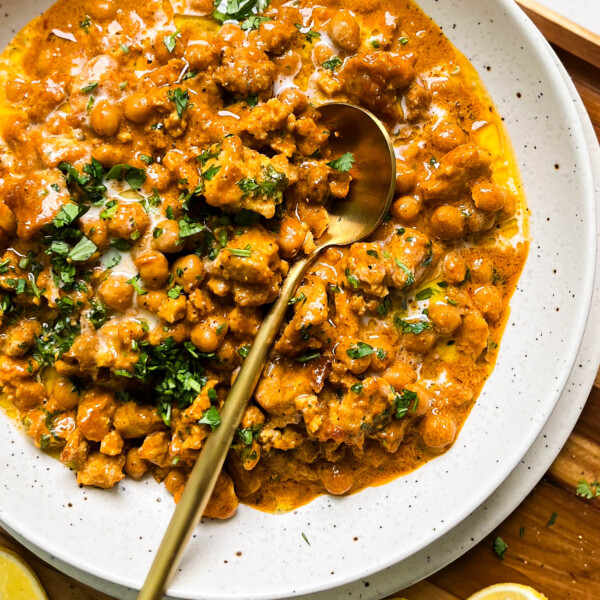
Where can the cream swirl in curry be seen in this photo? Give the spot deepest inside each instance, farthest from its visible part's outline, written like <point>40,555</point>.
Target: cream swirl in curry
<point>159,174</point>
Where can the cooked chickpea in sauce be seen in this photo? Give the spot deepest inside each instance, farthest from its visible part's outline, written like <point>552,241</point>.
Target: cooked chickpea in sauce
<point>161,167</point>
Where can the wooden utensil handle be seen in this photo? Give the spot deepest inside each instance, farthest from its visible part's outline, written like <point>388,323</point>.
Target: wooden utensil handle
<point>563,32</point>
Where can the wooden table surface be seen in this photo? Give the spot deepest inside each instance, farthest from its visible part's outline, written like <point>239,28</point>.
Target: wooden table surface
<point>562,559</point>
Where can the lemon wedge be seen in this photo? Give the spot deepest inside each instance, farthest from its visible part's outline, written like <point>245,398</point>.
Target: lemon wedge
<point>17,580</point>
<point>508,591</point>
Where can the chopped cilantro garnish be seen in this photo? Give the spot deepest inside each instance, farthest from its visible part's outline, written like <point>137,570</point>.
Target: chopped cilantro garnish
<point>360,350</point>
<point>424,294</point>
<point>414,327</point>
<point>301,297</point>
<point>352,280</point>
<point>500,547</point>
<point>180,98</point>
<point>83,250</point>
<point>170,41</point>
<point>86,89</point>
<point>240,251</point>
<point>134,281</point>
<point>211,417</point>
<point>404,401</point>
<point>333,63</point>
<point>134,176</point>
<point>343,163</point>
<point>211,172</point>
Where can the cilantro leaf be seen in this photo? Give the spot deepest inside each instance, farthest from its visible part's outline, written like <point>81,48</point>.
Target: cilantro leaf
<point>83,250</point>
<point>170,41</point>
<point>414,327</point>
<point>134,176</point>
<point>500,547</point>
<point>333,63</point>
<point>360,350</point>
<point>180,98</point>
<point>236,10</point>
<point>342,164</point>
<point>211,417</point>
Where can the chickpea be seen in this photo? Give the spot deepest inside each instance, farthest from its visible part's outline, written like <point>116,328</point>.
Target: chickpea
<point>63,396</point>
<point>447,136</point>
<point>16,90</point>
<point>189,272</point>
<point>103,9</point>
<point>153,268</point>
<point>474,333</point>
<point>447,222</point>
<point>455,268</point>
<point>457,395</point>
<point>479,220</point>
<point>137,108</point>
<point>104,118</point>
<point>160,47</point>
<point>344,31</point>
<point>108,155</point>
<point>291,236</point>
<point>29,394</point>
<point>227,357</point>
<point>487,196</point>
<point>208,335</point>
<point>438,430</point>
<point>406,208</point>
<point>489,302</point>
<point>153,300</point>
<point>97,231</point>
<point>168,240</point>
<point>387,353</point>
<point>399,375</point>
<point>47,59</point>
<point>336,477</point>
<point>174,480</point>
<point>135,466</point>
<point>201,6</point>
<point>482,271</point>
<point>321,53</point>
<point>116,293</point>
<point>406,178</point>
<point>424,399</point>
<point>129,331</point>
<point>446,318</point>
<point>129,222</point>
<point>293,97</point>
<point>420,342</point>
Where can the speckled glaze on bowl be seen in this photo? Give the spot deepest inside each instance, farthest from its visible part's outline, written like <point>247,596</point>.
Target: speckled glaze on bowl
<point>113,534</point>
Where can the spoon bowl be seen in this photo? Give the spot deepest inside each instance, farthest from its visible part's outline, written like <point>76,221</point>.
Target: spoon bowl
<point>356,130</point>
<point>352,219</point>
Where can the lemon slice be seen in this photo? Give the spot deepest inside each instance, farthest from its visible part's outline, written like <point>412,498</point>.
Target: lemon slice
<point>508,591</point>
<point>17,580</point>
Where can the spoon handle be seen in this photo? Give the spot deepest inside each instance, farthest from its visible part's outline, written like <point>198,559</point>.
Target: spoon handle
<point>205,473</point>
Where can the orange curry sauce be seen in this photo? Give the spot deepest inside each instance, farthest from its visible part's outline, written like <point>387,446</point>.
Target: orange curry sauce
<point>159,173</point>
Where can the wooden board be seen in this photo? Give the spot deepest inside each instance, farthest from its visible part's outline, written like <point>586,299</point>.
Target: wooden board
<point>561,560</point>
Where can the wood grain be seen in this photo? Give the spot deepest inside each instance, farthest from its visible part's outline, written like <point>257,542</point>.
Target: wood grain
<point>561,560</point>
<point>564,33</point>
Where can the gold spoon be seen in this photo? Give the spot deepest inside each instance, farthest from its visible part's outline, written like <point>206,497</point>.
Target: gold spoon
<point>352,219</point>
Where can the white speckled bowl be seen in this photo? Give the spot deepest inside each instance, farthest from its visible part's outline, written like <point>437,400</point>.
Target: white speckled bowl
<point>114,534</point>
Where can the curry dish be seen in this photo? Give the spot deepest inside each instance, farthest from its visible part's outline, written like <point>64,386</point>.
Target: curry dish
<point>162,166</point>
